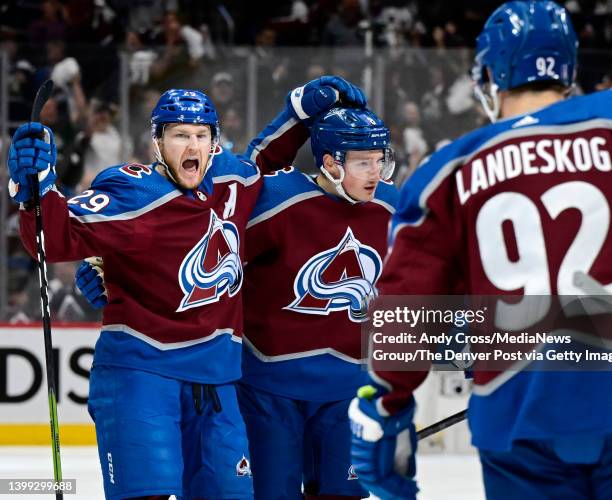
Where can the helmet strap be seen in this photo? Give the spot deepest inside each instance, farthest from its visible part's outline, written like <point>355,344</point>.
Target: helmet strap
<point>160,158</point>
<point>490,103</point>
<point>338,183</point>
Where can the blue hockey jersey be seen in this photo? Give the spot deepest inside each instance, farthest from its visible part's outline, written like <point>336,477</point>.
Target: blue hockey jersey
<point>312,261</point>
<point>516,207</point>
<point>173,258</point>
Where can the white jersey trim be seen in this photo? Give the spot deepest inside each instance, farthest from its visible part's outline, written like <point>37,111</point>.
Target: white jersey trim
<point>268,139</point>
<point>582,337</point>
<point>384,204</point>
<point>449,167</point>
<point>245,181</point>
<point>85,219</point>
<point>173,345</point>
<point>299,355</point>
<point>282,206</point>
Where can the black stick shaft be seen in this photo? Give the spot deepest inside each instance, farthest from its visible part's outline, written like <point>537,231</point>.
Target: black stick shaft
<point>43,94</point>
<point>441,425</point>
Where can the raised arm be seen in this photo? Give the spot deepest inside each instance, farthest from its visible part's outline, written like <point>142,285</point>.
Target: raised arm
<point>278,143</point>
<point>96,222</point>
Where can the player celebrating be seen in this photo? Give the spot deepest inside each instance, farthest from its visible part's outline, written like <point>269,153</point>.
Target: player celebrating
<point>316,246</point>
<point>302,362</point>
<point>162,393</point>
<point>515,207</point>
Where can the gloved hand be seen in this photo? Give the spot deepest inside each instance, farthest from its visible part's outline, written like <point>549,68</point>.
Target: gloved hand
<point>376,441</point>
<point>32,152</point>
<point>324,93</point>
<point>90,281</point>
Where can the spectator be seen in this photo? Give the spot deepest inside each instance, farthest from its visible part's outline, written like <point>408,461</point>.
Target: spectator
<point>341,29</point>
<point>208,47</point>
<point>69,164</point>
<point>433,103</point>
<point>66,302</point>
<point>21,84</point>
<point>140,58</point>
<point>394,23</point>
<point>182,45</point>
<point>233,135</point>
<point>222,92</point>
<point>413,138</point>
<point>143,102</point>
<point>52,24</point>
<point>314,70</point>
<point>20,309</point>
<point>102,139</point>
<point>21,271</point>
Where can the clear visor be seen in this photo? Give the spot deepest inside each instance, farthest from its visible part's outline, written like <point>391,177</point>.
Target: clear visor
<point>373,167</point>
<point>183,138</point>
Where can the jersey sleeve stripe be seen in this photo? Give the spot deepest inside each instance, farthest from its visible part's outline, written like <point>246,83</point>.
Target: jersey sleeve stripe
<point>173,345</point>
<point>299,355</point>
<point>246,181</point>
<point>268,139</point>
<point>384,204</point>
<point>282,206</point>
<point>90,218</point>
<point>427,178</point>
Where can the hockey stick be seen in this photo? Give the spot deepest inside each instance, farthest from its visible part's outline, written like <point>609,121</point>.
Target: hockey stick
<point>441,425</point>
<point>43,94</point>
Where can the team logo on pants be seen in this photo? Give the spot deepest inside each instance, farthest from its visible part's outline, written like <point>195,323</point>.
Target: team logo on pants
<point>352,474</point>
<point>243,467</point>
<point>212,267</point>
<point>339,279</point>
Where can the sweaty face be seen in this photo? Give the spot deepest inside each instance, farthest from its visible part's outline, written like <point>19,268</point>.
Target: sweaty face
<point>185,148</point>
<point>362,172</point>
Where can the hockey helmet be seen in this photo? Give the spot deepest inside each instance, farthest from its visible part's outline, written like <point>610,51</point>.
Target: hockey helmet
<point>350,129</point>
<point>184,106</point>
<point>524,42</point>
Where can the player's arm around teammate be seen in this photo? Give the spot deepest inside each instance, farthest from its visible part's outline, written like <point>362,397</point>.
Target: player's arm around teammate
<point>175,334</point>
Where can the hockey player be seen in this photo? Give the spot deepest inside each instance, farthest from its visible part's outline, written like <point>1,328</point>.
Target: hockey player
<point>302,359</point>
<point>513,208</point>
<point>317,246</point>
<point>162,393</point>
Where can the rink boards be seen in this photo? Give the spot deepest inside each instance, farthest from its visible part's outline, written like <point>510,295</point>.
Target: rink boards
<point>24,407</point>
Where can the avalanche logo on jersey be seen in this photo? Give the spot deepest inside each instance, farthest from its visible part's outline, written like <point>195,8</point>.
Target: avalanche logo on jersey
<point>339,279</point>
<point>212,267</point>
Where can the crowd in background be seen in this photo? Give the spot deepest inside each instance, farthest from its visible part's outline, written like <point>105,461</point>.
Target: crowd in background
<point>423,49</point>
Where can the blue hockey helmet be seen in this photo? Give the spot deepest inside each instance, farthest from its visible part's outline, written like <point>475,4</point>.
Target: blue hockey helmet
<point>184,106</point>
<point>524,42</point>
<point>350,129</point>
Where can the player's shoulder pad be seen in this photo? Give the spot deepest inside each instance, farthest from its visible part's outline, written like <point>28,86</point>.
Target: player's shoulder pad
<point>573,114</point>
<point>595,106</point>
<point>228,167</point>
<point>438,166</point>
<point>123,189</point>
<point>386,195</point>
<point>282,189</point>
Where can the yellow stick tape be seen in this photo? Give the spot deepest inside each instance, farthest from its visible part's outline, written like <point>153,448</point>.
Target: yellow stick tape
<point>40,434</point>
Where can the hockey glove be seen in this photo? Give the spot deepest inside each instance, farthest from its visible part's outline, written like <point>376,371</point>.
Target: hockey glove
<point>383,448</point>
<point>322,94</point>
<point>32,152</point>
<point>90,282</point>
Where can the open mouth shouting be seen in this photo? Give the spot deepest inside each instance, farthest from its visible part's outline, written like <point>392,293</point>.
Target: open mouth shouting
<point>190,171</point>
<point>190,165</point>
